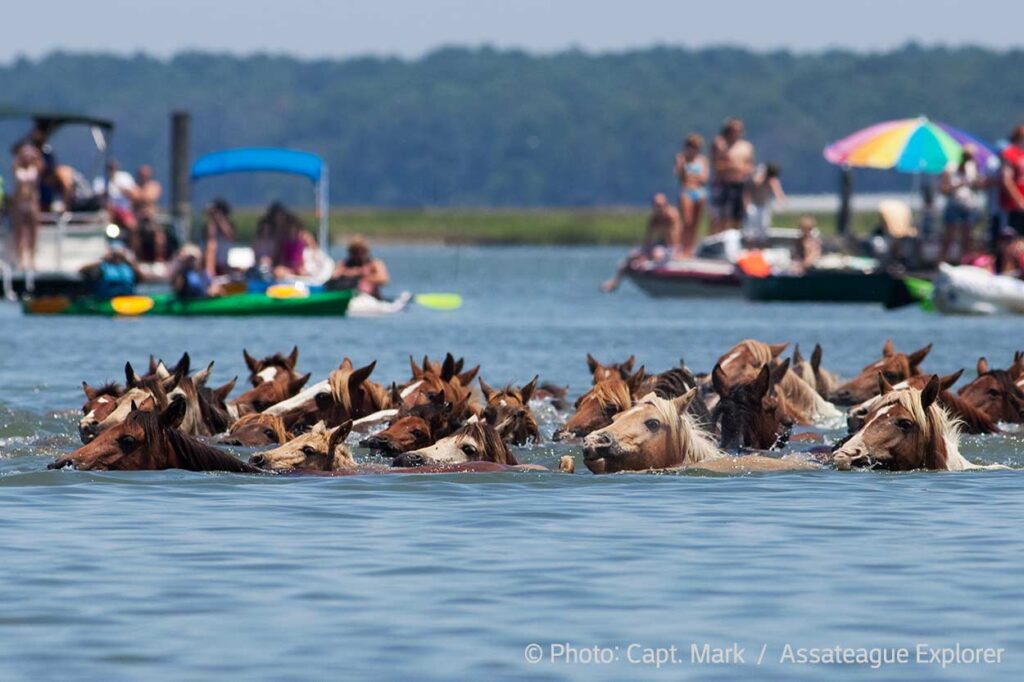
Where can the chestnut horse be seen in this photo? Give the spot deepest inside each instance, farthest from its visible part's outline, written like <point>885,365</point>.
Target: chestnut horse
<point>346,394</point>
<point>319,449</point>
<point>907,429</point>
<point>99,403</point>
<point>659,434</point>
<point>995,393</point>
<point>742,363</point>
<point>419,425</point>
<point>149,441</point>
<point>596,407</point>
<point>617,370</point>
<point>895,367</point>
<point>255,430</point>
<point>139,393</point>
<point>514,404</point>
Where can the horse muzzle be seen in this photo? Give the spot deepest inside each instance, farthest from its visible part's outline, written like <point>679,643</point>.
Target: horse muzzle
<point>88,432</point>
<point>61,463</point>
<point>381,445</point>
<point>408,460</point>
<point>846,461</point>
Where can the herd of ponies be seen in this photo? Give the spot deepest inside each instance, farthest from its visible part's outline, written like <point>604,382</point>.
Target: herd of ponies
<point>445,417</point>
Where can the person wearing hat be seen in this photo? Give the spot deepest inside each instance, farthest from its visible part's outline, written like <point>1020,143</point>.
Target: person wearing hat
<point>360,270</point>
<point>191,279</point>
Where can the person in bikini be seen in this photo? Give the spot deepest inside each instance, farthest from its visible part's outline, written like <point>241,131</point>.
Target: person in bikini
<point>692,171</point>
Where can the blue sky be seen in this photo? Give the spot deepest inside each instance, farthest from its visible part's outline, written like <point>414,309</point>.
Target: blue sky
<point>340,28</point>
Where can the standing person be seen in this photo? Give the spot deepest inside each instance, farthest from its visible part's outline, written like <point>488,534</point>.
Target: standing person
<point>662,225</point>
<point>361,270</point>
<point>692,170</point>
<point>1011,194</point>
<point>960,183</point>
<point>219,234</point>
<point>28,175</point>
<point>144,200</point>
<point>765,191</point>
<point>733,160</point>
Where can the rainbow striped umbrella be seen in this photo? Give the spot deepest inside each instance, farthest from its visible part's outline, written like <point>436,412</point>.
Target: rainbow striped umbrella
<point>911,145</point>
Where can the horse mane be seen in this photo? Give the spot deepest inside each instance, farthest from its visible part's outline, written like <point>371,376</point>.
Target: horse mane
<point>674,383</point>
<point>494,446</point>
<point>693,443</point>
<point>216,417</point>
<point>805,398</point>
<point>805,372</point>
<point>761,351</point>
<point>192,454</point>
<point>941,432</point>
<point>380,397</point>
<point>111,388</point>
<point>972,419</point>
<point>612,392</point>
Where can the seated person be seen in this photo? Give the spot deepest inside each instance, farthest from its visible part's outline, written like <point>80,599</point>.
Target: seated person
<point>190,279</point>
<point>360,270</point>
<point>664,230</point>
<point>317,264</point>
<point>115,275</point>
<point>290,261</point>
<point>807,249</point>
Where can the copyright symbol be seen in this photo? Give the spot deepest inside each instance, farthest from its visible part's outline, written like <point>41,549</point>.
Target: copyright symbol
<point>533,653</point>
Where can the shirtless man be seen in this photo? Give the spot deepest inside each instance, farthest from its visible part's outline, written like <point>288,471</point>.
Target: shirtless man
<point>733,160</point>
<point>144,201</point>
<point>663,234</point>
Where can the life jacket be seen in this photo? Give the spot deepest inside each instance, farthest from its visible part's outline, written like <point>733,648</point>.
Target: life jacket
<point>197,284</point>
<point>116,279</point>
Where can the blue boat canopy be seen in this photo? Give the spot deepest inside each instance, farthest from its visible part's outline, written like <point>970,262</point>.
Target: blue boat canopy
<point>271,160</point>
<point>259,159</point>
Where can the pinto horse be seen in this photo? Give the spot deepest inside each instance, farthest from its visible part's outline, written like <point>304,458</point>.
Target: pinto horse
<point>149,441</point>
<point>99,403</point>
<point>906,430</point>
<point>319,449</point>
<point>346,394</point>
<point>995,393</point>
<point>659,434</point>
<point>894,366</point>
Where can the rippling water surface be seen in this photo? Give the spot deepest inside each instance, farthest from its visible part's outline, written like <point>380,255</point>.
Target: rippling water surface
<point>178,575</point>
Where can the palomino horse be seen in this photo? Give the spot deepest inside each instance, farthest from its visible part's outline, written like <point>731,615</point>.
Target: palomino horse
<point>596,407</point>
<point>147,441</point>
<point>995,393</point>
<point>617,370</point>
<point>743,361</point>
<point>659,434</point>
<point>476,441</point>
<point>895,367</point>
<point>971,419</point>
<point>906,430</point>
<point>753,414</point>
<point>514,404</point>
<point>255,430</point>
<point>822,380</point>
<point>319,449</point>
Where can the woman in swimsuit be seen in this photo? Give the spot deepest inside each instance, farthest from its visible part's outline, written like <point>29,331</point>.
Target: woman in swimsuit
<point>28,169</point>
<point>692,171</point>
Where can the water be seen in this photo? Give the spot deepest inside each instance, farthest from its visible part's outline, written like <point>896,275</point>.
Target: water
<point>173,575</point>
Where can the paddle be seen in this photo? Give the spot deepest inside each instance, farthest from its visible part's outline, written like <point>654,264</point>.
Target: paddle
<point>439,301</point>
<point>131,306</point>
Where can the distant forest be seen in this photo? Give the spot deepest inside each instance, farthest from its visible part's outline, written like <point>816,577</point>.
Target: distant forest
<point>483,127</point>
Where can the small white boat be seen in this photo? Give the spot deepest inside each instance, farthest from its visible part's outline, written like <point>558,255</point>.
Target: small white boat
<point>364,305</point>
<point>967,290</point>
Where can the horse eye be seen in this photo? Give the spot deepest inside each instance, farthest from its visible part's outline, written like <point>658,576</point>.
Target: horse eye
<point>611,411</point>
<point>417,433</point>
<point>309,450</point>
<point>652,425</point>
<point>269,433</point>
<point>127,443</point>
<point>904,424</point>
<point>891,376</point>
<point>469,449</point>
<point>993,393</point>
<point>85,409</point>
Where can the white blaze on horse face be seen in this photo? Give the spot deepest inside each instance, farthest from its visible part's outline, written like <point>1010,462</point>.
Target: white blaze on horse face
<point>268,374</point>
<point>730,358</point>
<point>301,399</point>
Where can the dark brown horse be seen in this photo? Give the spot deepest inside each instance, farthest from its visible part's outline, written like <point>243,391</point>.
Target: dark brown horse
<point>995,393</point>
<point>149,441</point>
<point>752,414</point>
<point>894,366</point>
<point>513,404</point>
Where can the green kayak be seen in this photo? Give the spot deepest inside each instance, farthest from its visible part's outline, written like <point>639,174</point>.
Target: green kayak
<point>328,303</point>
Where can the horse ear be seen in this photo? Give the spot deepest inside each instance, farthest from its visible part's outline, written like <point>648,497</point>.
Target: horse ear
<point>152,364</point>
<point>883,384</point>
<point>627,366</point>
<point>130,377</point>
<point>982,366</point>
<point>161,370</point>
<point>293,357</point>
<point>719,381</point>
<point>778,372</point>
<point>448,368</point>
<point>763,383</point>
<point>487,390</point>
<point>416,371</point>
<point>224,391</point>
<point>90,393</point>
<point>816,358</point>
<point>466,378</point>
<point>950,379</point>
<point>777,348</point>
<point>360,375</point>
<point>173,414</point>
<point>202,376</point>
<point>184,363</point>
<point>133,406</point>
<point>295,385</point>
<point>526,392</point>
<point>252,363</point>
<point>919,355</point>
<point>636,380</point>
<point>796,354</point>
<point>346,363</point>
<point>592,363</point>
<point>459,364</point>
<point>889,349</point>
<point>931,392</point>
<point>338,436</point>
<point>683,401</point>
<point>394,394</point>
